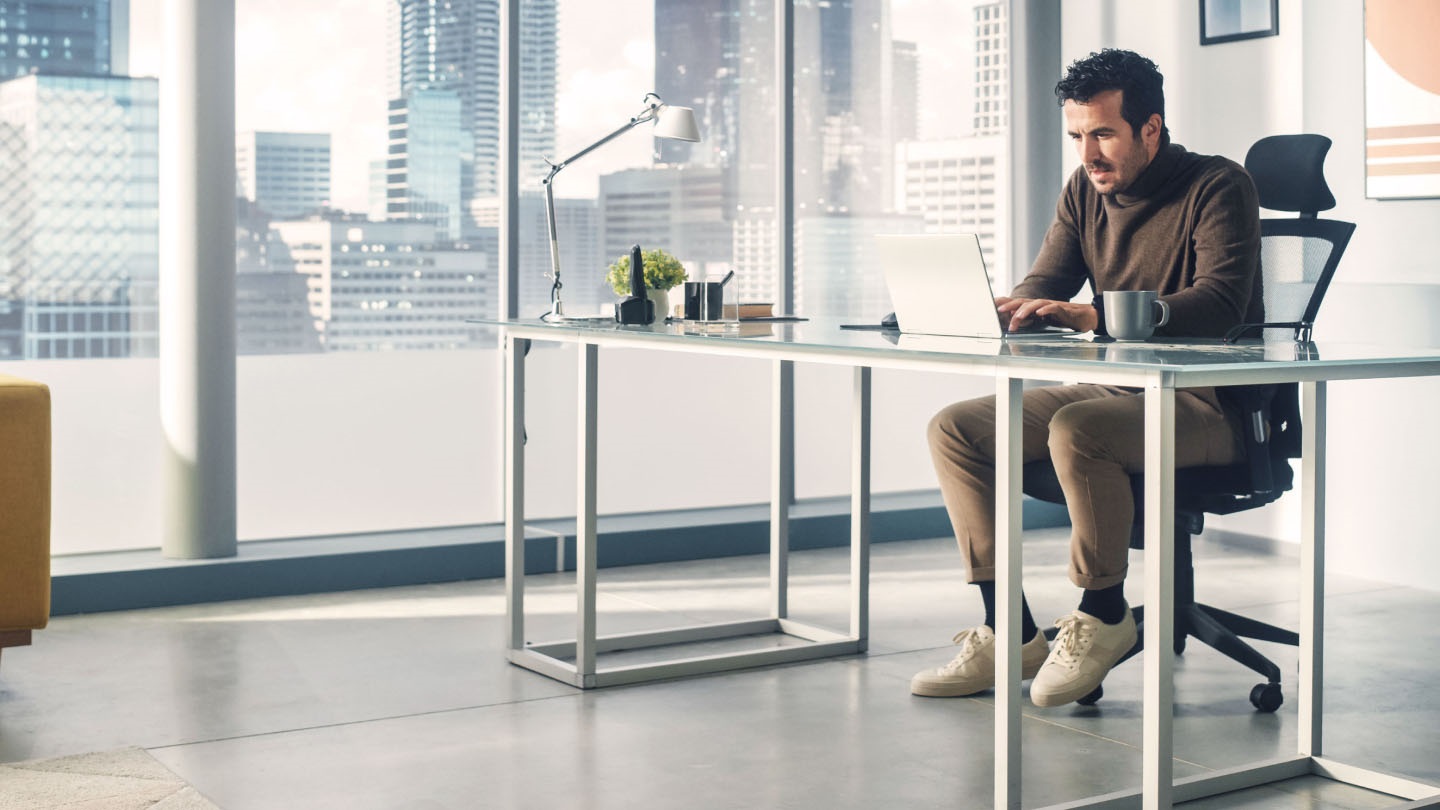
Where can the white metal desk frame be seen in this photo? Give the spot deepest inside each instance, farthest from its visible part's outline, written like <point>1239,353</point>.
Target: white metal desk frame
<point>1158,786</point>
<point>575,662</point>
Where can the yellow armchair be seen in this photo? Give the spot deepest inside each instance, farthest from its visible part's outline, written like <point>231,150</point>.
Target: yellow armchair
<point>24,509</point>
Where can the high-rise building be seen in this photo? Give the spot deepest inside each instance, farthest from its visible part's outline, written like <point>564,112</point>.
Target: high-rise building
<point>992,68</point>
<point>835,264</point>
<point>582,265</point>
<point>429,157</point>
<point>844,141</point>
<point>64,37</point>
<point>375,199</point>
<point>905,100</point>
<point>678,208</point>
<point>955,186</point>
<point>717,57</point>
<point>286,174</point>
<point>385,285</point>
<point>753,254</point>
<point>455,45</point>
<point>271,313</point>
<point>79,215</point>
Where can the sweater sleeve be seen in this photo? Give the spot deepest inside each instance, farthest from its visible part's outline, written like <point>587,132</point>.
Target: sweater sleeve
<point>1060,270</point>
<point>1226,242</point>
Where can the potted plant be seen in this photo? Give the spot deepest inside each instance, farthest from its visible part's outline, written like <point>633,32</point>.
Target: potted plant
<point>662,271</point>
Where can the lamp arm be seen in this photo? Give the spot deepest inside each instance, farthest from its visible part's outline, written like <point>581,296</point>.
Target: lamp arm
<point>645,116</point>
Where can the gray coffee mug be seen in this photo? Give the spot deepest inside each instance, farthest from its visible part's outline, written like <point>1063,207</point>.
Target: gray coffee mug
<point>1134,314</point>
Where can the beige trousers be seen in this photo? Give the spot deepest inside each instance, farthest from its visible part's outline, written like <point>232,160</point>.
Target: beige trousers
<point>1094,435</point>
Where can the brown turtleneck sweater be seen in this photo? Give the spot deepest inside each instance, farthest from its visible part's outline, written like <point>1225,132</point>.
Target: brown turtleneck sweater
<point>1188,227</point>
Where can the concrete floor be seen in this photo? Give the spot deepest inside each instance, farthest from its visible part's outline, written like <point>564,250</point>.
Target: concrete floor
<point>401,698</point>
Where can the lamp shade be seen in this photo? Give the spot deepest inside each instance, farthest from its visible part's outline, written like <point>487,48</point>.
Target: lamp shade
<point>676,123</point>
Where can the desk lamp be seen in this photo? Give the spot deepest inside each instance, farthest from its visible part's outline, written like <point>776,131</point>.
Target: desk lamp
<point>676,123</point>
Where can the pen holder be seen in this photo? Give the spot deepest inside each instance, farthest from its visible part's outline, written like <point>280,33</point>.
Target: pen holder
<point>711,302</point>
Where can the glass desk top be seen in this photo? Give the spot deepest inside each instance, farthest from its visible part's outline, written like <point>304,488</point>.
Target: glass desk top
<point>1187,360</point>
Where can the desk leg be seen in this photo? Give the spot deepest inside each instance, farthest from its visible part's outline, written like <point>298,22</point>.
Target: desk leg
<point>585,505</point>
<point>782,482</point>
<point>1157,772</point>
<point>1008,563</point>
<point>860,509</point>
<point>514,489</point>
<point>1312,565</point>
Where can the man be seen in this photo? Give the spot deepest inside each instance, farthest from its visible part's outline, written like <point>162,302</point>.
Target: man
<point>1140,213</point>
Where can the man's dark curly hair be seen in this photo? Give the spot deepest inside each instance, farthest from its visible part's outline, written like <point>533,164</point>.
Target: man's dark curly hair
<point>1142,88</point>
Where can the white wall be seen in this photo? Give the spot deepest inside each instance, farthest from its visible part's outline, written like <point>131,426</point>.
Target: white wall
<point>1310,78</point>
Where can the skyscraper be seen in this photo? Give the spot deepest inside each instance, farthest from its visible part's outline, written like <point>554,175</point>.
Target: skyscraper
<point>272,315</point>
<point>678,208</point>
<point>956,185</point>
<point>843,89</point>
<point>286,174</point>
<point>718,57</point>
<point>905,100</point>
<point>429,157</point>
<point>577,224</point>
<point>384,285</point>
<point>715,56</point>
<point>454,45</point>
<point>79,226</point>
<point>961,184</point>
<point>992,69</point>
<point>70,37</point>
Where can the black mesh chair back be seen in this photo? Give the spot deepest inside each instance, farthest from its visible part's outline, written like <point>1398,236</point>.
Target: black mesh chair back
<point>1299,257</point>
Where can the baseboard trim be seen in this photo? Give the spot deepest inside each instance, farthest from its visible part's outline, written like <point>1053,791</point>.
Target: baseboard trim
<point>93,583</point>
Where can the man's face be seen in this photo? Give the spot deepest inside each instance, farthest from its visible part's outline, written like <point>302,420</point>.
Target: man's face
<point>1112,153</point>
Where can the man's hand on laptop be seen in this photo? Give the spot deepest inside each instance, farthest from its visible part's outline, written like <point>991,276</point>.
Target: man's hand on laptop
<point>1035,312</point>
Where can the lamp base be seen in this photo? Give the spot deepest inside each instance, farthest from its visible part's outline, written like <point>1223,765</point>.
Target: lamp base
<point>557,315</point>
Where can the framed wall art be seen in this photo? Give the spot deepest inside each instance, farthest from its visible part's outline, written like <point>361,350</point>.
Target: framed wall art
<point>1231,20</point>
<point>1402,99</point>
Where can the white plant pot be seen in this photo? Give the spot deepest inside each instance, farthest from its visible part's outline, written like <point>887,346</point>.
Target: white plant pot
<point>661,298</point>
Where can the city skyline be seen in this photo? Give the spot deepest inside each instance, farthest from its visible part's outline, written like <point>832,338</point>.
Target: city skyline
<point>325,70</point>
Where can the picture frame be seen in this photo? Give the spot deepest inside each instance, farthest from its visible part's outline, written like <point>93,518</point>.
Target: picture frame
<point>1402,101</point>
<point>1233,20</point>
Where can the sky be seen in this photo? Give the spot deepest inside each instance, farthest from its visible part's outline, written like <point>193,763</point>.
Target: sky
<point>319,66</point>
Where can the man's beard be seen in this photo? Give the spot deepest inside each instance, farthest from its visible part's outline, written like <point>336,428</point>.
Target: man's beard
<point>1125,174</point>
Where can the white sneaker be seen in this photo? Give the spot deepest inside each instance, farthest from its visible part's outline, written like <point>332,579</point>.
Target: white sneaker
<point>1085,650</point>
<point>973,670</point>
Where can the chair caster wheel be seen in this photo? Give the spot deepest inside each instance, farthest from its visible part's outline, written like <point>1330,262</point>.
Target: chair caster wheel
<point>1266,697</point>
<point>1090,699</point>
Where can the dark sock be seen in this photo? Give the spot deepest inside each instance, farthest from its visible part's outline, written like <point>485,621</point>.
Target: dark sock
<point>1105,604</point>
<point>1027,623</point>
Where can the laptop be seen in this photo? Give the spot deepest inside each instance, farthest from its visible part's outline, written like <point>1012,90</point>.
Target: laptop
<point>938,286</point>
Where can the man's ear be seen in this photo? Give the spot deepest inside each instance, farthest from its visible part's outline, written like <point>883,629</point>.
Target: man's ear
<point>1151,130</point>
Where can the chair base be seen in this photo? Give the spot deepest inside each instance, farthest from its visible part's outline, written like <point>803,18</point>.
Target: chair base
<point>1221,630</point>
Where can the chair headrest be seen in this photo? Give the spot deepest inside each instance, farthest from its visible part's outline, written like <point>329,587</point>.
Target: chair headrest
<point>1289,173</point>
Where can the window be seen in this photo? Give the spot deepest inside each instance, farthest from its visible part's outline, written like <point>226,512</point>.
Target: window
<point>366,400</point>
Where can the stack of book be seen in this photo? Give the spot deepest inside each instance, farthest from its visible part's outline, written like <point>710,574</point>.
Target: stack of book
<point>748,311</point>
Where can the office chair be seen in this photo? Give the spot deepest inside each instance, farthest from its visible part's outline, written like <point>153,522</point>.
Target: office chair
<point>1298,259</point>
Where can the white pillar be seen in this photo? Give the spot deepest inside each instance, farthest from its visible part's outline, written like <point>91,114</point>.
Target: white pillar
<point>1036,141</point>
<point>197,277</point>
